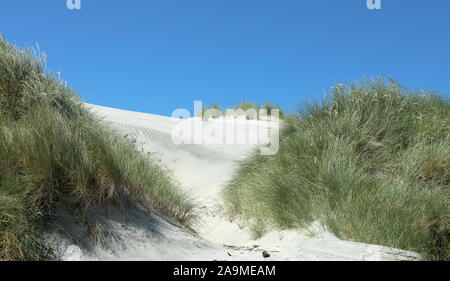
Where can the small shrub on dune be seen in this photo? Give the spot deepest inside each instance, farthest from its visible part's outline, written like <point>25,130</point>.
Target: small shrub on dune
<point>212,111</point>
<point>269,107</point>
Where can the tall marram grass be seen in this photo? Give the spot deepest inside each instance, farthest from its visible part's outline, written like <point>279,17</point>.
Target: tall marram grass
<point>371,162</point>
<point>54,153</point>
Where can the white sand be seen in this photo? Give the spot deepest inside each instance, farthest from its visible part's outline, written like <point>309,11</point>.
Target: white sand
<point>203,170</point>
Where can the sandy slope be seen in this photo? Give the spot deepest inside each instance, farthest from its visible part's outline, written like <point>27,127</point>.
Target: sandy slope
<point>203,169</point>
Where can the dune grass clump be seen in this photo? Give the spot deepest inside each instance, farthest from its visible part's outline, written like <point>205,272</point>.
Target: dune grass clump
<point>371,162</point>
<point>212,111</point>
<point>54,153</point>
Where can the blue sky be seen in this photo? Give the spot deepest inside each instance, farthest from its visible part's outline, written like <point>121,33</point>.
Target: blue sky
<point>158,55</point>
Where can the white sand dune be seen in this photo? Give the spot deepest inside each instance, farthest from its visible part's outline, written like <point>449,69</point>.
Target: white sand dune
<point>203,169</point>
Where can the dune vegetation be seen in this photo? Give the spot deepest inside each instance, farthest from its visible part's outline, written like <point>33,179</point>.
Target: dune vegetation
<point>241,109</point>
<point>54,153</point>
<point>370,162</point>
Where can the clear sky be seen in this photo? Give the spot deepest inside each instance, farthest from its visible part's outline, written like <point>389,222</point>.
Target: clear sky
<point>158,55</point>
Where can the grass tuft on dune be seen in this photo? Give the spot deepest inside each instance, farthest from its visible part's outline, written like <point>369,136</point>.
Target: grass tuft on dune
<point>54,153</point>
<point>370,162</point>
